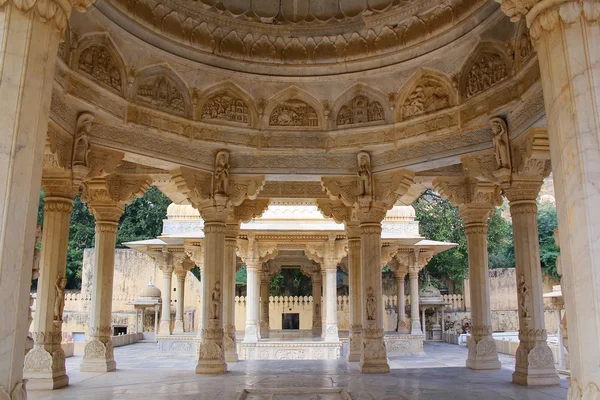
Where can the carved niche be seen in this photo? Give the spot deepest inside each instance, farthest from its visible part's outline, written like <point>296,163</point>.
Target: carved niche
<point>294,113</point>
<point>161,93</point>
<point>428,95</point>
<point>359,110</point>
<point>97,62</point>
<point>226,107</point>
<point>488,69</point>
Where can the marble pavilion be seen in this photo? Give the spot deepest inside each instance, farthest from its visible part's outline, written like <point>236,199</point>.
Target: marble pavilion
<point>357,104</point>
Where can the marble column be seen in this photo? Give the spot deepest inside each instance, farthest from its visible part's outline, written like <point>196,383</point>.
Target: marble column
<point>165,320</point>
<point>374,357</point>
<point>28,56</point>
<point>566,37</point>
<point>264,305</point>
<point>534,361</point>
<point>331,323</point>
<point>316,294</point>
<point>402,325</point>
<point>415,322</point>
<point>98,354</point>
<point>251,334</point>
<point>156,312</point>
<point>45,363</point>
<point>180,275</point>
<point>481,345</point>
<point>211,357</point>
<point>229,270</point>
<point>353,234</point>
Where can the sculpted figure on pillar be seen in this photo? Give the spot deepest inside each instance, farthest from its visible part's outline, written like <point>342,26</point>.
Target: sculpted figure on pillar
<point>81,143</point>
<point>216,301</point>
<point>501,146</point>
<point>59,303</point>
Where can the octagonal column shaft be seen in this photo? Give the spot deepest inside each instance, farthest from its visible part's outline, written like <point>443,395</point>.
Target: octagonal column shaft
<point>165,316</point>
<point>251,334</point>
<point>211,357</point>
<point>331,325</point>
<point>534,360</point>
<point>264,305</point>
<point>180,275</point>
<point>316,295</point>
<point>482,348</point>
<point>402,326</point>
<point>47,335</point>
<point>415,322</point>
<point>98,355</point>
<point>28,52</point>
<point>355,299</point>
<point>374,356</point>
<point>229,298</point>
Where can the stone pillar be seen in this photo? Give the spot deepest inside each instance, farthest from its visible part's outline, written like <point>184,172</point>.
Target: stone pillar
<point>165,320</point>
<point>28,57</point>
<point>415,322</point>
<point>211,358</point>
<point>374,357</point>
<point>251,334</point>
<point>264,305</point>
<point>156,311</point>
<point>316,294</point>
<point>323,301</point>
<point>353,234</point>
<point>98,355</point>
<point>229,270</point>
<point>534,361</point>
<point>331,326</point>
<point>402,325</point>
<point>180,275</point>
<point>481,345</point>
<point>45,363</point>
<point>565,35</point>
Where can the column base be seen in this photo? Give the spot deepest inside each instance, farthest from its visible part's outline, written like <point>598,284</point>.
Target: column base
<point>211,367</point>
<point>264,331</point>
<point>403,326</point>
<point>482,354</point>
<point>535,367</point>
<point>331,333</point>
<point>374,354</point>
<point>355,352</point>
<point>98,357</point>
<point>251,334</point>
<point>530,378</point>
<point>375,368</point>
<point>415,327</point>
<point>98,366</point>
<point>231,354</point>
<point>178,328</point>
<point>50,383</point>
<point>45,370</point>
<point>317,332</point>
<point>165,328</point>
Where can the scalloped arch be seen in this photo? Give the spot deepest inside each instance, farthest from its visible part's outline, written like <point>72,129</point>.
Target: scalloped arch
<point>487,65</point>
<point>427,91</point>
<point>98,58</point>
<point>290,98</point>
<point>160,87</point>
<point>236,93</point>
<point>373,95</point>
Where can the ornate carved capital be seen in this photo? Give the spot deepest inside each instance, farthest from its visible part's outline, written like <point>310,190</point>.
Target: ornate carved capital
<point>53,11</point>
<point>335,209</point>
<point>545,15</point>
<point>250,209</point>
<point>107,197</point>
<point>476,199</point>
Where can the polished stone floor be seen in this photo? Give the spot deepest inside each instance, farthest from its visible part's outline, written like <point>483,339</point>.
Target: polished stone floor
<point>143,374</point>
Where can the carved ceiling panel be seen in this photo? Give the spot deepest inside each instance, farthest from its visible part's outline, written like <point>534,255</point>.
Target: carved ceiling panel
<point>160,92</point>
<point>429,94</point>
<point>226,107</point>
<point>97,62</point>
<point>294,113</point>
<point>488,69</point>
<point>360,110</point>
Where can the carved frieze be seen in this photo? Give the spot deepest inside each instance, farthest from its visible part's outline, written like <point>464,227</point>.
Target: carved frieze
<point>294,113</point>
<point>429,94</point>
<point>488,69</point>
<point>97,62</point>
<point>360,110</point>
<point>226,107</point>
<point>161,93</point>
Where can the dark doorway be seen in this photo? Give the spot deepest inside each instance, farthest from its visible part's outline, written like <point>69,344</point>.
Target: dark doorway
<point>290,321</point>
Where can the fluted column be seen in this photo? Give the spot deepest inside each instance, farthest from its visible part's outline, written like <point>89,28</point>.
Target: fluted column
<point>316,295</point>
<point>415,321</point>
<point>374,356</point>
<point>165,317</point>
<point>180,275</point>
<point>211,357</point>
<point>402,325</point>
<point>264,305</point>
<point>229,270</point>
<point>481,345</point>
<point>331,325</point>
<point>353,234</point>
<point>98,355</point>
<point>534,361</point>
<point>45,363</point>
<point>251,334</point>
<point>28,53</point>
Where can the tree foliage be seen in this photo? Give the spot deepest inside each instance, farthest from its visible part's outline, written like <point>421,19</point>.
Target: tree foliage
<point>547,222</point>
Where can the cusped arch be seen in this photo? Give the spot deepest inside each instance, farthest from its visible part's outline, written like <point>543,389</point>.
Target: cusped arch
<point>159,87</point>
<point>294,108</point>
<point>227,103</point>
<point>97,58</point>
<point>427,91</point>
<point>360,105</point>
<point>486,66</point>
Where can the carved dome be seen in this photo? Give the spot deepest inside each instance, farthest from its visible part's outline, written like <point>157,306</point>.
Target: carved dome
<point>150,291</point>
<point>401,213</point>
<point>182,211</point>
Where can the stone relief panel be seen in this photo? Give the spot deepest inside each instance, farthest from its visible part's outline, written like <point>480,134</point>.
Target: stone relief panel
<point>97,58</point>
<point>226,107</point>
<point>294,113</point>
<point>487,67</point>
<point>360,110</point>
<point>523,45</point>
<point>425,93</point>
<point>162,92</point>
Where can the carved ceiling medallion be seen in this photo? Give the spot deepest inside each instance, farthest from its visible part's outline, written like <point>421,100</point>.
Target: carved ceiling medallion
<point>294,113</point>
<point>160,93</point>
<point>226,107</point>
<point>360,110</point>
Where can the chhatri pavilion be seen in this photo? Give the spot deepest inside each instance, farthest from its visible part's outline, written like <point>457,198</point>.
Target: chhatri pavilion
<point>356,105</point>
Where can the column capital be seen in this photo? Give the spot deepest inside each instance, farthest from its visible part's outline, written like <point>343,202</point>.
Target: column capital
<point>55,11</point>
<point>58,188</point>
<point>180,273</point>
<point>108,196</point>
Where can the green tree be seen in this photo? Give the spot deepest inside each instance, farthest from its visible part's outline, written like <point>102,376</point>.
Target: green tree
<point>501,250</point>
<point>547,222</point>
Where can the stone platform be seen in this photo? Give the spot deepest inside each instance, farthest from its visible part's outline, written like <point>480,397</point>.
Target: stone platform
<point>404,344</point>
<point>178,344</point>
<point>296,349</point>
